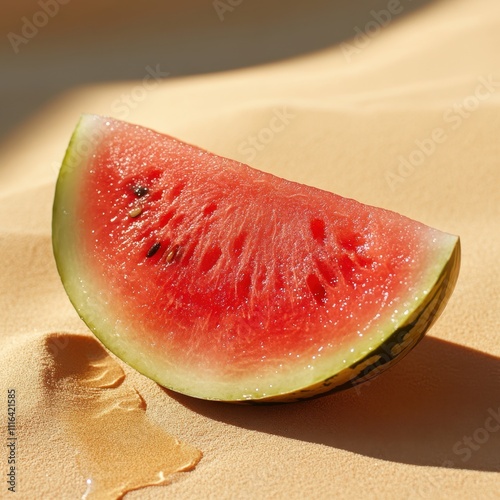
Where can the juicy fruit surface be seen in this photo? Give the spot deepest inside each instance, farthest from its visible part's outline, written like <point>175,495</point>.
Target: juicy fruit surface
<point>222,281</point>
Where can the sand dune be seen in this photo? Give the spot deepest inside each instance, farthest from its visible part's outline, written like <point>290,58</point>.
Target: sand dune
<point>406,118</point>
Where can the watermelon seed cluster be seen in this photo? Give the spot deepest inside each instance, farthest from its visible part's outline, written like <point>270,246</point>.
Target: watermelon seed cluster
<point>139,191</point>
<point>173,252</point>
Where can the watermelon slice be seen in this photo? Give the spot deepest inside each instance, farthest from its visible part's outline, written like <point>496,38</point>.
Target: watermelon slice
<point>223,282</point>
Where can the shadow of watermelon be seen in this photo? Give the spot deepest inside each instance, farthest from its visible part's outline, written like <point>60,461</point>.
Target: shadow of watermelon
<point>439,407</point>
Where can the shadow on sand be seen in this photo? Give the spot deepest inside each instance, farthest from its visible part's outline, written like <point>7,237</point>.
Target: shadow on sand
<point>439,407</point>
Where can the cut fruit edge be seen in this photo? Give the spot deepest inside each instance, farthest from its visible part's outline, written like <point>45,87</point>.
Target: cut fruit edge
<point>395,347</point>
<point>395,337</point>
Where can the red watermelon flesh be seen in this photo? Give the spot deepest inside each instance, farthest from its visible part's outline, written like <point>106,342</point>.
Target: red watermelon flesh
<point>224,282</point>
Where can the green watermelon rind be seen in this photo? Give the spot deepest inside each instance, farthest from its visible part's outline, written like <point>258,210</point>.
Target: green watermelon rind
<point>395,347</point>
<point>340,370</point>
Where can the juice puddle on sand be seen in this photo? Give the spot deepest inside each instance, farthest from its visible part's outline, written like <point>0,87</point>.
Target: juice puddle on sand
<point>118,448</point>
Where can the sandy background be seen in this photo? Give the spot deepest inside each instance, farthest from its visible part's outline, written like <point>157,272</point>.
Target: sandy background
<point>405,116</point>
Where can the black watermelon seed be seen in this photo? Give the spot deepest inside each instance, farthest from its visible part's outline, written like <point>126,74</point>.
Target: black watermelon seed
<point>154,248</point>
<point>140,191</point>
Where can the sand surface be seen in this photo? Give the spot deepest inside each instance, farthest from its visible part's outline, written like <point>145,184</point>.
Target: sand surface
<point>406,117</point>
